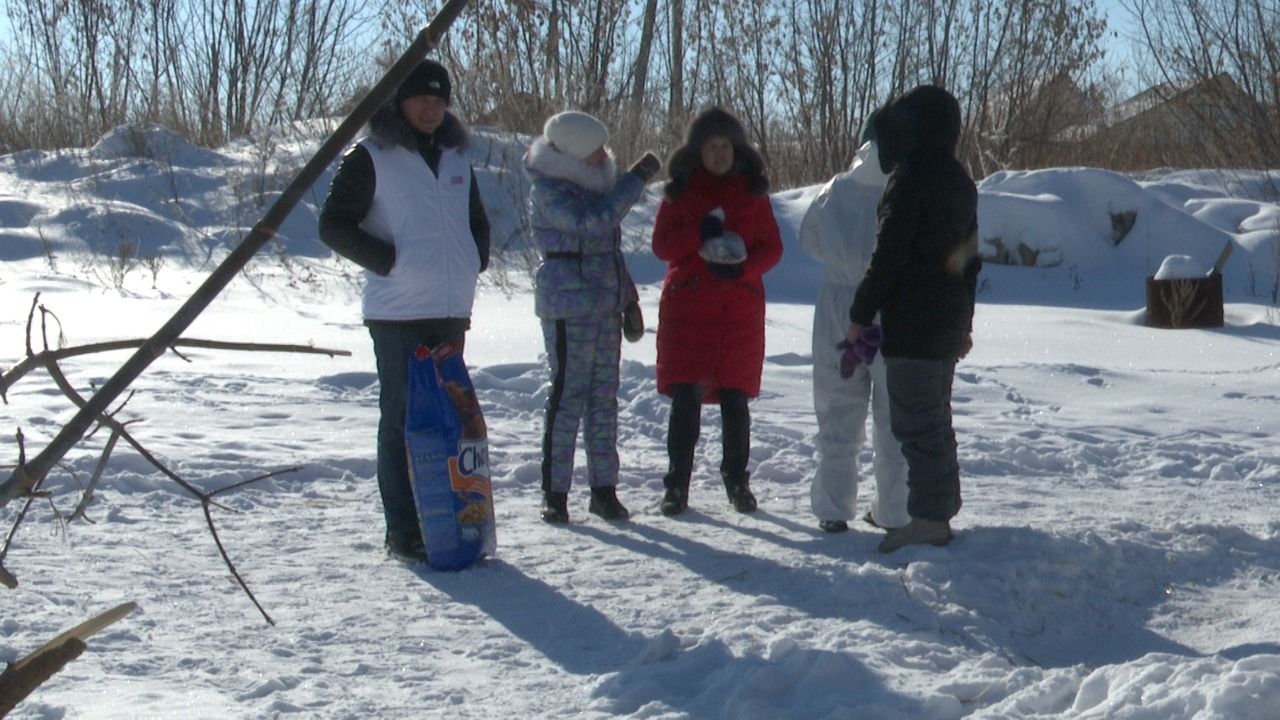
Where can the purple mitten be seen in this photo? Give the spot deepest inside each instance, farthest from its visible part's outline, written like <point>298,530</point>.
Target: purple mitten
<point>860,352</point>
<point>868,343</point>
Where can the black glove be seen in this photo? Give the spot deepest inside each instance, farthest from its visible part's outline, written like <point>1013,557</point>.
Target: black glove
<point>725,271</point>
<point>647,166</point>
<point>632,322</point>
<point>710,226</point>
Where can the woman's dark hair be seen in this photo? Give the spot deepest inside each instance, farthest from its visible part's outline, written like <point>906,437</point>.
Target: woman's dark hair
<point>715,122</point>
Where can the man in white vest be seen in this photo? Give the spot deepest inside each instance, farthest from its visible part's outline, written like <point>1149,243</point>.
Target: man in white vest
<point>404,205</point>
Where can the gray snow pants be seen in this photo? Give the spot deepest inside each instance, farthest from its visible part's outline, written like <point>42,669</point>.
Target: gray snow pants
<point>920,414</point>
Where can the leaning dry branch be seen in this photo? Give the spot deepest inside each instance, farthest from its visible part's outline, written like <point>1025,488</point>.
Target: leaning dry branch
<point>30,473</point>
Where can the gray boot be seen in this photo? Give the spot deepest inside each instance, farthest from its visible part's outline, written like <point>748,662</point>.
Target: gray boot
<point>920,531</point>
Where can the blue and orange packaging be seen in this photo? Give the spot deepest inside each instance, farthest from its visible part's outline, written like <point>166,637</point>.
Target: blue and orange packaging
<point>448,446</point>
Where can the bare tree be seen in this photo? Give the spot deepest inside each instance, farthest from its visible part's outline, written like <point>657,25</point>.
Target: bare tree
<point>636,100</point>
<point>829,86</point>
<point>1218,75</point>
<point>1031,84</point>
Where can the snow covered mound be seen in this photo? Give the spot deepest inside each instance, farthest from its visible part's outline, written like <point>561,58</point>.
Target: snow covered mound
<point>154,142</point>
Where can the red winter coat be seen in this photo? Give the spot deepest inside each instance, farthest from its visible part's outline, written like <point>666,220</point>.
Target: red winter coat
<point>710,330</point>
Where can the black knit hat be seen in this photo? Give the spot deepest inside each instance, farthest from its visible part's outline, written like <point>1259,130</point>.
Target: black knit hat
<point>429,78</point>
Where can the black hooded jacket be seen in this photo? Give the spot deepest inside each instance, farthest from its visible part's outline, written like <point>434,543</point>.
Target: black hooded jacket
<point>352,189</point>
<point>922,278</point>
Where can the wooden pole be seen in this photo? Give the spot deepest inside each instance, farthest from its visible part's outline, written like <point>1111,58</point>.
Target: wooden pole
<point>27,475</point>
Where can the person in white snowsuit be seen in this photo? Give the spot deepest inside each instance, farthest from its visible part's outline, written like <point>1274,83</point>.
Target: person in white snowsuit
<point>839,230</point>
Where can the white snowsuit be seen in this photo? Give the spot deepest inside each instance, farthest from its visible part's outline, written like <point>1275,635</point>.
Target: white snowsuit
<point>839,230</point>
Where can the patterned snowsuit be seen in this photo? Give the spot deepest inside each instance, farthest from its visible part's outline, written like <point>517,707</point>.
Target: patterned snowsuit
<point>582,287</point>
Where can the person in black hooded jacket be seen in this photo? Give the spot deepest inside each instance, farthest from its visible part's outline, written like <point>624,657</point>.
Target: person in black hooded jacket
<point>404,205</point>
<point>922,279</point>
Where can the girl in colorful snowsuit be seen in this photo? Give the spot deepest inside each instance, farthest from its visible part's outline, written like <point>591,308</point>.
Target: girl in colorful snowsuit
<point>711,314</point>
<point>576,205</point>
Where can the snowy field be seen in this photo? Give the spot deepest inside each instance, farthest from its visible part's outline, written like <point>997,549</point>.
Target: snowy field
<point>1118,554</point>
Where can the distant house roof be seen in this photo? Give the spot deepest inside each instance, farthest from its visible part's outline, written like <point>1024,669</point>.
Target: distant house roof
<point>1218,87</point>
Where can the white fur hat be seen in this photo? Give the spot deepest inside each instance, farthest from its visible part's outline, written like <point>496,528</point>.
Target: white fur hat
<point>576,133</point>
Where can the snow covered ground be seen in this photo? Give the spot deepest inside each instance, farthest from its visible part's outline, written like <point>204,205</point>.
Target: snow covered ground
<point>1117,556</point>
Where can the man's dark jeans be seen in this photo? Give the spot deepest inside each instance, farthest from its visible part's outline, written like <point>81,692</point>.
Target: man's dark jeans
<point>393,346</point>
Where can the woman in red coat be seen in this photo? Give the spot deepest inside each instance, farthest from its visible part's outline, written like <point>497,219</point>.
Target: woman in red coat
<point>716,232</point>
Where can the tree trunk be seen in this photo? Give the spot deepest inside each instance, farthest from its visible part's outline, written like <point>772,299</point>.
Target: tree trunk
<point>675,102</point>
<point>640,79</point>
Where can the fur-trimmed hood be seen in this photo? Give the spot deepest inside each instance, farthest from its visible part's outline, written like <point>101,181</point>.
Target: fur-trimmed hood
<point>546,160</point>
<point>389,127</point>
<point>715,122</point>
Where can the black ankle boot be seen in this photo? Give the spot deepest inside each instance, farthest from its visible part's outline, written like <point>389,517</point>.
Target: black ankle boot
<point>555,507</point>
<point>673,502</point>
<point>406,547</point>
<point>605,503</point>
<point>676,498</point>
<point>739,492</point>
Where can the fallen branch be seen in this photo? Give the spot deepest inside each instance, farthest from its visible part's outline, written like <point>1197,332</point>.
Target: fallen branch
<point>19,679</point>
<point>120,431</point>
<point>86,495</point>
<point>43,358</point>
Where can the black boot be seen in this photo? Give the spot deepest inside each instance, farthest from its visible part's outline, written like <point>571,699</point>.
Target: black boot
<point>676,499</point>
<point>408,547</point>
<point>682,438</point>
<point>735,420</point>
<point>605,503</point>
<point>739,493</point>
<point>555,507</point>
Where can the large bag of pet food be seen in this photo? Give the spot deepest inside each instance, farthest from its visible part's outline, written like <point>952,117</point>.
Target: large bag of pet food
<point>448,459</point>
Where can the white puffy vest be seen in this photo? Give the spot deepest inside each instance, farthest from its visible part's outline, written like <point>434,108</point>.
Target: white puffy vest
<point>427,218</point>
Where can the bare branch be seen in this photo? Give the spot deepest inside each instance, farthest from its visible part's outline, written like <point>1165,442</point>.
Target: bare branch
<point>205,503</point>
<point>34,360</point>
<point>250,481</point>
<point>87,495</point>
<point>262,232</point>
